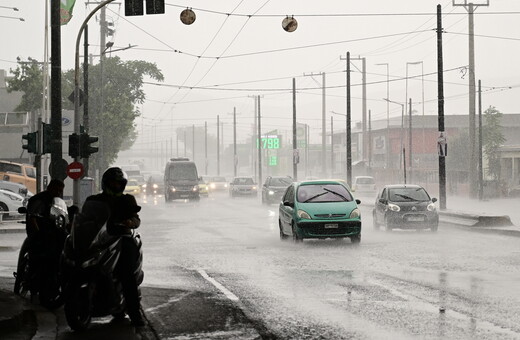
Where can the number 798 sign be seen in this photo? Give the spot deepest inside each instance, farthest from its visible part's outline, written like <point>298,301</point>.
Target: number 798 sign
<point>268,142</point>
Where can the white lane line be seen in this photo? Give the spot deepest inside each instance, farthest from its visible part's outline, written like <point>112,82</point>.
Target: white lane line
<point>217,284</point>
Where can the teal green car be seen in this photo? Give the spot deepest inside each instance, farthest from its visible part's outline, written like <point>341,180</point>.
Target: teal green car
<point>319,209</point>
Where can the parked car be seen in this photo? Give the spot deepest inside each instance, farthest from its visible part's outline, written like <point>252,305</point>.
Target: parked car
<point>319,209</point>
<point>132,187</point>
<point>405,206</point>
<point>243,186</point>
<point>10,202</point>
<point>216,183</point>
<point>17,188</point>
<point>274,187</point>
<point>364,185</point>
<point>19,173</point>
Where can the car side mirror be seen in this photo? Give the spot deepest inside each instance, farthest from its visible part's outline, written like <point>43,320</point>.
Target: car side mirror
<point>22,210</point>
<point>383,201</point>
<point>358,201</point>
<point>288,204</point>
<point>434,200</point>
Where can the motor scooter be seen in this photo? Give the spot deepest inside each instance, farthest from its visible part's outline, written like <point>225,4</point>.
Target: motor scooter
<point>39,276</point>
<point>89,259</point>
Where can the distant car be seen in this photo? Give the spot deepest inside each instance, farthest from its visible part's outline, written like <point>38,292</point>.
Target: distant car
<point>405,206</point>
<point>274,187</point>
<point>154,184</point>
<point>364,185</point>
<point>203,188</point>
<point>216,183</point>
<point>17,188</point>
<point>243,186</point>
<point>319,209</point>
<point>132,187</point>
<point>10,202</point>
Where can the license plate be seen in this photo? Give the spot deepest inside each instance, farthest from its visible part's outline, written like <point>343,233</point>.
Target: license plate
<point>331,226</point>
<point>184,196</point>
<point>415,218</point>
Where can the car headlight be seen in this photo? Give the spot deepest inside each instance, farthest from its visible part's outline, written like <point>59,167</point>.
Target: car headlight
<point>212,185</point>
<point>355,213</point>
<point>254,188</point>
<point>173,189</point>
<point>271,192</point>
<point>431,207</point>
<point>143,186</point>
<point>13,197</point>
<point>303,214</point>
<point>394,207</point>
<point>155,186</point>
<point>195,188</point>
<point>225,185</point>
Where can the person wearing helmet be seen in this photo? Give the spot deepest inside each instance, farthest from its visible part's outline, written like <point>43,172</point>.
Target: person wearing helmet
<point>123,218</point>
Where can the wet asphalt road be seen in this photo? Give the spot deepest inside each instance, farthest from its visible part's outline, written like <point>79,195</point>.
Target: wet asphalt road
<point>219,264</point>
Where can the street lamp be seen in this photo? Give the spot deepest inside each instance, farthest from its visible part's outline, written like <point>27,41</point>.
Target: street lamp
<point>402,121</point>
<point>387,146</point>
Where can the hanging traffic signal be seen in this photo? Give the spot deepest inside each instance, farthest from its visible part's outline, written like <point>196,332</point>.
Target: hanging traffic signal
<point>47,138</point>
<point>154,6</point>
<point>32,142</point>
<point>85,150</point>
<point>74,145</point>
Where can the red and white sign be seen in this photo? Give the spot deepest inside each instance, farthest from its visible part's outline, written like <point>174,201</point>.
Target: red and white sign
<point>75,170</point>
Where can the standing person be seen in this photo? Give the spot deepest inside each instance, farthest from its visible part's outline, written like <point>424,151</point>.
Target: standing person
<point>45,241</point>
<point>123,218</point>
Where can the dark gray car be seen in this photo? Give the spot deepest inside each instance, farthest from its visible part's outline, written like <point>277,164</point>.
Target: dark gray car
<point>274,188</point>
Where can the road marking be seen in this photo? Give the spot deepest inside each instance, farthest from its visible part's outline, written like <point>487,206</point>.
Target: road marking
<point>217,284</point>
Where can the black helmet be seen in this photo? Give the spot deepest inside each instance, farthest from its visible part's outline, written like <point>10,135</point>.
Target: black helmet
<point>114,179</point>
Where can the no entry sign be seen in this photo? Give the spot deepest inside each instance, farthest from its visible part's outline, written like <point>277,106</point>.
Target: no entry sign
<point>75,170</point>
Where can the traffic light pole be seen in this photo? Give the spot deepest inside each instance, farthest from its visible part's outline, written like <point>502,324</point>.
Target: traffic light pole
<point>77,116</point>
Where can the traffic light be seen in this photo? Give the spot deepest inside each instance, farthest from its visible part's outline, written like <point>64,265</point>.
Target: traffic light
<point>85,150</point>
<point>47,138</point>
<point>74,145</point>
<point>32,142</point>
<point>134,7</point>
<point>154,6</point>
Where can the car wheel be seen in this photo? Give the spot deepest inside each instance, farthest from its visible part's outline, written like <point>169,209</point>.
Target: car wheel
<point>283,237</point>
<point>374,221</point>
<point>3,208</point>
<point>296,238</point>
<point>356,239</point>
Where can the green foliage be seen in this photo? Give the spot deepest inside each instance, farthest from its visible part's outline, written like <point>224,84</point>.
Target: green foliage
<point>28,78</point>
<point>492,139</point>
<point>115,90</point>
<point>458,156</point>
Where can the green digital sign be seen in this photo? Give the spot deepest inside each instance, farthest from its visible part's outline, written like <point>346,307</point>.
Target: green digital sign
<point>268,142</point>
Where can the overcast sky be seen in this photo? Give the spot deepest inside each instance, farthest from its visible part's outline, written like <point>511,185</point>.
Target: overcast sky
<point>248,53</point>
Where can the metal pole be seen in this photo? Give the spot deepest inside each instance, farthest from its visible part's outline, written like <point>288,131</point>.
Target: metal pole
<point>294,138</point>
<point>440,103</point>
<point>193,141</point>
<point>206,148</point>
<point>410,137</point>
<point>349,142</point>
<point>480,169</point>
<point>235,141</point>
<point>56,153</point>
<point>259,143</point>
<point>370,140</point>
<point>331,146</point>
<point>218,145</point>
<point>86,123</point>
<point>323,129</point>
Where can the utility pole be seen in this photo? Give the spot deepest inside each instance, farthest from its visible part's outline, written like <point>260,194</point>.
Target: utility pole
<point>370,140</point>
<point>206,147</point>
<point>480,169</point>
<point>193,141</point>
<point>470,8</point>
<point>410,136</point>
<point>58,164</point>
<point>294,138</point>
<point>218,145</point>
<point>259,143</point>
<point>364,106</point>
<point>349,142</point>
<point>331,147</point>
<point>235,142</point>
<point>440,104</point>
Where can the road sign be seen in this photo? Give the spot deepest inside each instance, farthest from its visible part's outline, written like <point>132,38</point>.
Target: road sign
<point>57,169</point>
<point>75,170</point>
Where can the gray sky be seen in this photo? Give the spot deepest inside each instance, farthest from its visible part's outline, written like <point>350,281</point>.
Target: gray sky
<point>257,57</point>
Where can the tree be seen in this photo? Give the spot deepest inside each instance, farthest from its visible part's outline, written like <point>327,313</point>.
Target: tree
<point>28,78</point>
<point>492,139</point>
<point>113,117</point>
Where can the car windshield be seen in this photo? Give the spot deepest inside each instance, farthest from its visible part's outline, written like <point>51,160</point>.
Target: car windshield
<point>281,182</point>
<point>219,179</point>
<point>320,193</point>
<point>365,180</point>
<point>243,181</point>
<point>408,194</point>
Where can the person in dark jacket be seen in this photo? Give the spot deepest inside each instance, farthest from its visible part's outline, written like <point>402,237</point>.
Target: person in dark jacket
<point>123,218</point>
<point>45,241</point>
